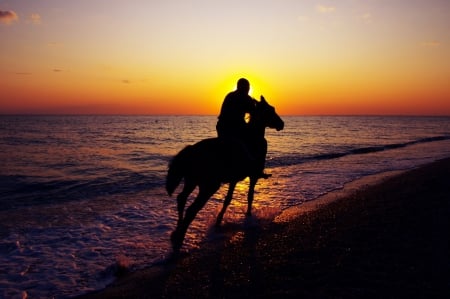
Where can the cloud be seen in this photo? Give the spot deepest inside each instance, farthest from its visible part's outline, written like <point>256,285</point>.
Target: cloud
<point>8,16</point>
<point>35,18</point>
<point>367,18</point>
<point>133,81</point>
<point>55,45</point>
<point>57,70</point>
<point>325,9</point>
<point>431,44</point>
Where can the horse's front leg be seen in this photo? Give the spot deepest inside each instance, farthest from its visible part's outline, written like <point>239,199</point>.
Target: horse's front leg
<point>226,203</point>
<point>251,193</point>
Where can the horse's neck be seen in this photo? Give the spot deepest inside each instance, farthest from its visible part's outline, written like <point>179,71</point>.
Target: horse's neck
<point>257,130</point>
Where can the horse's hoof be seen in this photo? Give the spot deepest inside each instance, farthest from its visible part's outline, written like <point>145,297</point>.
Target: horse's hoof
<point>173,236</point>
<point>176,247</point>
<point>264,175</point>
<point>175,240</point>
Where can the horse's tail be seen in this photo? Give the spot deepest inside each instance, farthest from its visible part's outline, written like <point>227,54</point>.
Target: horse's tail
<point>177,169</point>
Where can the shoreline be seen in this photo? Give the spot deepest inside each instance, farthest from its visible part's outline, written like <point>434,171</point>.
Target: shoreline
<point>330,247</point>
<point>347,190</point>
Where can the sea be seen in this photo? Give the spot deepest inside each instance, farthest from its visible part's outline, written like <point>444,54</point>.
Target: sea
<point>82,197</point>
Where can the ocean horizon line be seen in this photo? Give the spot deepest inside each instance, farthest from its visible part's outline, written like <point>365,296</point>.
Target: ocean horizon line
<point>212,115</point>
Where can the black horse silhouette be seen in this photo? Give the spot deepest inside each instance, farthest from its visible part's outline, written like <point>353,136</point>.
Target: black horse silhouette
<point>211,162</point>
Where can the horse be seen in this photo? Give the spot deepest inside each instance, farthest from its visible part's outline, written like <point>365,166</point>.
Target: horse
<point>213,161</point>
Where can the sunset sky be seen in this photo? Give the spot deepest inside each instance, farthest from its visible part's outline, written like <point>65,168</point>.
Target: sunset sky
<point>182,57</point>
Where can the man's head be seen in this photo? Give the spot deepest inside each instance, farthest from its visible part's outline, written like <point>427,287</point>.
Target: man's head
<point>243,85</point>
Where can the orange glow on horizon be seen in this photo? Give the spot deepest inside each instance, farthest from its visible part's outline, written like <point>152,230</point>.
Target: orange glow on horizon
<point>310,96</point>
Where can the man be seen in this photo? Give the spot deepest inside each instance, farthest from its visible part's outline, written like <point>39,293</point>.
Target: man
<point>231,123</point>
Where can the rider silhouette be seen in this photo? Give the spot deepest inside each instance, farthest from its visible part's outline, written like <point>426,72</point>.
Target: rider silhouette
<point>231,125</point>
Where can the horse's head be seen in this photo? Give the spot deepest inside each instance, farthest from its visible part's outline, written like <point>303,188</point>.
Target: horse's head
<point>266,115</point>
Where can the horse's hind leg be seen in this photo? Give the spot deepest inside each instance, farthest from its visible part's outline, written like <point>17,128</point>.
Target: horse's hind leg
<point>251,193</point>
<point>226,203</point>
<point>203,195</point>
<point>182,198</point>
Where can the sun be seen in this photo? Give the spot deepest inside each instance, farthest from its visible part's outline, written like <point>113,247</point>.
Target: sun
<point>220,85</point>
<point>258,86</point>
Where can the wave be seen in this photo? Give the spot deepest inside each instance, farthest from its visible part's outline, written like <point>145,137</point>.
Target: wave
<point>295,159</point>
<point>19,191</point>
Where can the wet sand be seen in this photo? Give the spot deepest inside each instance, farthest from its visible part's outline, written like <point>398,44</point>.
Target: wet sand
<point>385,236</point>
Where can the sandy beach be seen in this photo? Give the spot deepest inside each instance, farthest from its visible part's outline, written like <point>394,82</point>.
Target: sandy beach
<point>381,237</point>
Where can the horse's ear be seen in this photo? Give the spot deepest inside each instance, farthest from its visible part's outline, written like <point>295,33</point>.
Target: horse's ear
<point>263,100</point>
